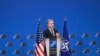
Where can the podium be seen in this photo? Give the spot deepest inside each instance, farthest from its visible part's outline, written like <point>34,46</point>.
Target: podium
<point>53,50</point>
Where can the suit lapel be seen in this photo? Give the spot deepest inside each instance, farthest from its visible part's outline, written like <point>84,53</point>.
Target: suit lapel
<point>50,32</point>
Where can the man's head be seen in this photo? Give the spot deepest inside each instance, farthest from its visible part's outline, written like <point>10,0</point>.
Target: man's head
<point>50,23</point>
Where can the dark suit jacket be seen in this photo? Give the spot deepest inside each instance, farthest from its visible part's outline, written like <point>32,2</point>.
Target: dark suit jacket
<point>47,33</point>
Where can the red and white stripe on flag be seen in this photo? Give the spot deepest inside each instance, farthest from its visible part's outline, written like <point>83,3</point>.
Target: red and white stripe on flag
<point>39,49</point>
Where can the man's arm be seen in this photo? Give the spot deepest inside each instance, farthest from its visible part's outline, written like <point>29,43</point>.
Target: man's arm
<point>56,32</point>
<point>44,34</point>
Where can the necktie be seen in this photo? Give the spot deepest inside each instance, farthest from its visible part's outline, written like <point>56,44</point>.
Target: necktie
<point>52,32</point>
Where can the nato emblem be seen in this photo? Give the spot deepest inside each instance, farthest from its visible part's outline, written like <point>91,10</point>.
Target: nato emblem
<point>65,46</point>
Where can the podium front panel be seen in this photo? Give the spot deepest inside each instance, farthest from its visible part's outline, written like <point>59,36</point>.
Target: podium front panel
<point>53,46</point>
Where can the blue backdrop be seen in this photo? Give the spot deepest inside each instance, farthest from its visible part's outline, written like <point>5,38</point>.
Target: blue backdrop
<point>21,17</point>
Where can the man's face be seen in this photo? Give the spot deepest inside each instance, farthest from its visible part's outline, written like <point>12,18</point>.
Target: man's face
<point>50,24</point>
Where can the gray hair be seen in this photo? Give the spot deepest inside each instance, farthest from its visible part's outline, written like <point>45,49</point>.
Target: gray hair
<point>49,20</point>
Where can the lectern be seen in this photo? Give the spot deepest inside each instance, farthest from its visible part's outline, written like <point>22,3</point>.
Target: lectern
<point>53,50</point>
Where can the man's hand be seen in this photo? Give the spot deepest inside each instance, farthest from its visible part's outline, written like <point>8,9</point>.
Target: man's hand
<point>57,35</point>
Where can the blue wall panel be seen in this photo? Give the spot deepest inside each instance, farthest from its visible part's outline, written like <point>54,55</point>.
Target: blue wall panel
<point>21,17</point>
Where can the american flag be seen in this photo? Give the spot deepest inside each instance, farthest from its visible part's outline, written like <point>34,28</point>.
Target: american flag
<point>39,51</point>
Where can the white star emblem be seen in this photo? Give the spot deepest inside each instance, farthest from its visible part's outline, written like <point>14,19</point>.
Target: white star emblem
<point>65,44</point>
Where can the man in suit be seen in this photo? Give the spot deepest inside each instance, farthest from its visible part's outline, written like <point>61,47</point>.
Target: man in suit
<point>50,32</point>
